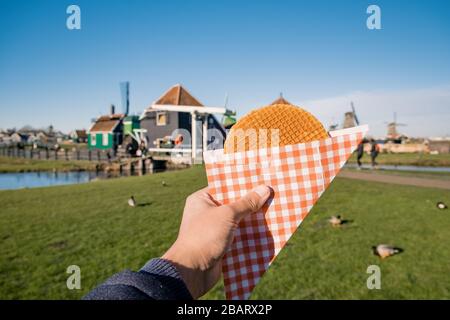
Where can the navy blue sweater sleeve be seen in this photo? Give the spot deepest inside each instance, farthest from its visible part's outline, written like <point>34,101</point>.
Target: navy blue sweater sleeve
<point>157,280</point>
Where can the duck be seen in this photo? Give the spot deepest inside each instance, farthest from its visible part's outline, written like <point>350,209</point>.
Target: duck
<point>385,250</point>
<point>132,202</point>
<point>335,221</point>
<point>441,205</point>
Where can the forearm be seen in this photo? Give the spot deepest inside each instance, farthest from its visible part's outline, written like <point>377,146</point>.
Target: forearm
<point>157,280</point>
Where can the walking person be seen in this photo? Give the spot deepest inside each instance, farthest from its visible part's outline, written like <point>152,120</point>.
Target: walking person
<point>374,151</point>
<point>359,154</point>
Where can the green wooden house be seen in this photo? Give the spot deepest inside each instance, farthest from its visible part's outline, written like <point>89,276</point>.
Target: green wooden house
<point>106,132</point>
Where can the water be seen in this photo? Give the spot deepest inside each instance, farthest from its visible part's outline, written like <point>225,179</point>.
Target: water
<point>46,179</point>
<point>401,168</point>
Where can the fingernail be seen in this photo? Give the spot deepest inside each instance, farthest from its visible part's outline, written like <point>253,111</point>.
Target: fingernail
<point>262,190</point>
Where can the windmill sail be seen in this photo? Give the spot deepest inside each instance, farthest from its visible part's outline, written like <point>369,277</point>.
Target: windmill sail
<point>354,113</point>
<point>125,95</point>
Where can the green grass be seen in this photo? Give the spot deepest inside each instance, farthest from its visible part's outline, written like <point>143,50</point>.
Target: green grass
<point>11,164</point>
<point>412,159</point>
<point>44,230</point>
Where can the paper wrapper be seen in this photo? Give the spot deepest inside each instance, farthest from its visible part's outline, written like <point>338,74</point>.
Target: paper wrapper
<point>298,175</point>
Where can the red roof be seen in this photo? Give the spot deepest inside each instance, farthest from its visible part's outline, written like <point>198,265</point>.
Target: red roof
<point>107,123</point>
<point>280,100</point>
<point>179,96</point>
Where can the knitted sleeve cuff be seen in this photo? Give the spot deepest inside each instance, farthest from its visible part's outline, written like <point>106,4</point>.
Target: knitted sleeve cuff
<point>168,273</point>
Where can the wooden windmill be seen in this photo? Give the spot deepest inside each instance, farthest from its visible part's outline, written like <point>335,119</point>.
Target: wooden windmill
<point>350,118</point>
<point>392,132</point>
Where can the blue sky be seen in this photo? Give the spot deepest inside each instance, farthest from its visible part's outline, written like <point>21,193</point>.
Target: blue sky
<point>320,54</point>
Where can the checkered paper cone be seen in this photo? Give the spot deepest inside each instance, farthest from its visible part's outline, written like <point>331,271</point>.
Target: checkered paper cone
<point>298,175</point>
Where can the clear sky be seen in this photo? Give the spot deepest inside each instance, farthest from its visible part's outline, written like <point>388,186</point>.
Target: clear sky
<point>320,54</point>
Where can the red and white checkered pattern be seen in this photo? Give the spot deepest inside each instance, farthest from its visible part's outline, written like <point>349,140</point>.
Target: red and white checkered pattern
<point>298,174</point>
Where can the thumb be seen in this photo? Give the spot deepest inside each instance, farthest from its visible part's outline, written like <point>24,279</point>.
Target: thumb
<point>250,203</point>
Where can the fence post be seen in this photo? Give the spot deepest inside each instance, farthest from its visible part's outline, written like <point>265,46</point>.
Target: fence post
<point>98,155</point>
<point>90,155</point>
<point>56,154</point>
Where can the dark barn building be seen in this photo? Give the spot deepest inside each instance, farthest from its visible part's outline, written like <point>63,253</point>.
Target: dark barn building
<point>162,125</point>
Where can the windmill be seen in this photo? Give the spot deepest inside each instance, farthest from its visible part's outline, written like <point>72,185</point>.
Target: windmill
<point>228,119</point>
<point>392,132</point>
<point>334,125</point>
<point>134,135</point>
<point>350,118</point>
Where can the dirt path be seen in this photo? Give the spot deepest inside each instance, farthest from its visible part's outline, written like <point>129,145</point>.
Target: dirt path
<point>395,179</point>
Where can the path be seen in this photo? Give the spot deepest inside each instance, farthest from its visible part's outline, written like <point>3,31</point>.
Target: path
<point>394,179</point>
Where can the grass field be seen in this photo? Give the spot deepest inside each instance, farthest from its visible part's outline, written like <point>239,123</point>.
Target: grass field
<point>412,159</point>
<point>44,230</point>
<point>10,164</point>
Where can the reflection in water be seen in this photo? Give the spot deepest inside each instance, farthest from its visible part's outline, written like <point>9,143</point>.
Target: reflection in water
<point>45,179</point>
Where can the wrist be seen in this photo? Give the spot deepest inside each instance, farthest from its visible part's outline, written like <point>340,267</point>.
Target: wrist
<point>189,273</point>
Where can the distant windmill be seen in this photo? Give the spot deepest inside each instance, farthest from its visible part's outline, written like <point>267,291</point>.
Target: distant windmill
<point>350,118</point>
<point>333,126</point>
<point>392,133</point>
<point>125,95</point>
<point>229,119</point>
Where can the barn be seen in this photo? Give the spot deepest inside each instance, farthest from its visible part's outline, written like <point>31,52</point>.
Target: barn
<point>173,111</point>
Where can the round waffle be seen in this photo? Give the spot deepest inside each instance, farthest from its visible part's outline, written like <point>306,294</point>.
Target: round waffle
<point>294,126</point>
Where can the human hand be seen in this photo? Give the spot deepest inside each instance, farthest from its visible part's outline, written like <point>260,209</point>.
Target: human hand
<point>206,232</point>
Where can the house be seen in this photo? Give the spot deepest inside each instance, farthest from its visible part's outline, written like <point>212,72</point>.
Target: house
<point>5,138</point>
<point>59,136</point>
<point>438,146</point>
<point>18,138</point>
<point>42,138</point>
<point>79,136</point>
<point>32,138</point>
<point>107,131</point>
<point>3,134</point>
<point>172,114</point>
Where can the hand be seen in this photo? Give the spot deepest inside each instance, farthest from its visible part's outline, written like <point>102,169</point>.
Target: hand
<point>206,232</point>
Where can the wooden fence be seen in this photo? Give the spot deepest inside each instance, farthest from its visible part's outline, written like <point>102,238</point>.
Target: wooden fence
<point>61,154</point>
